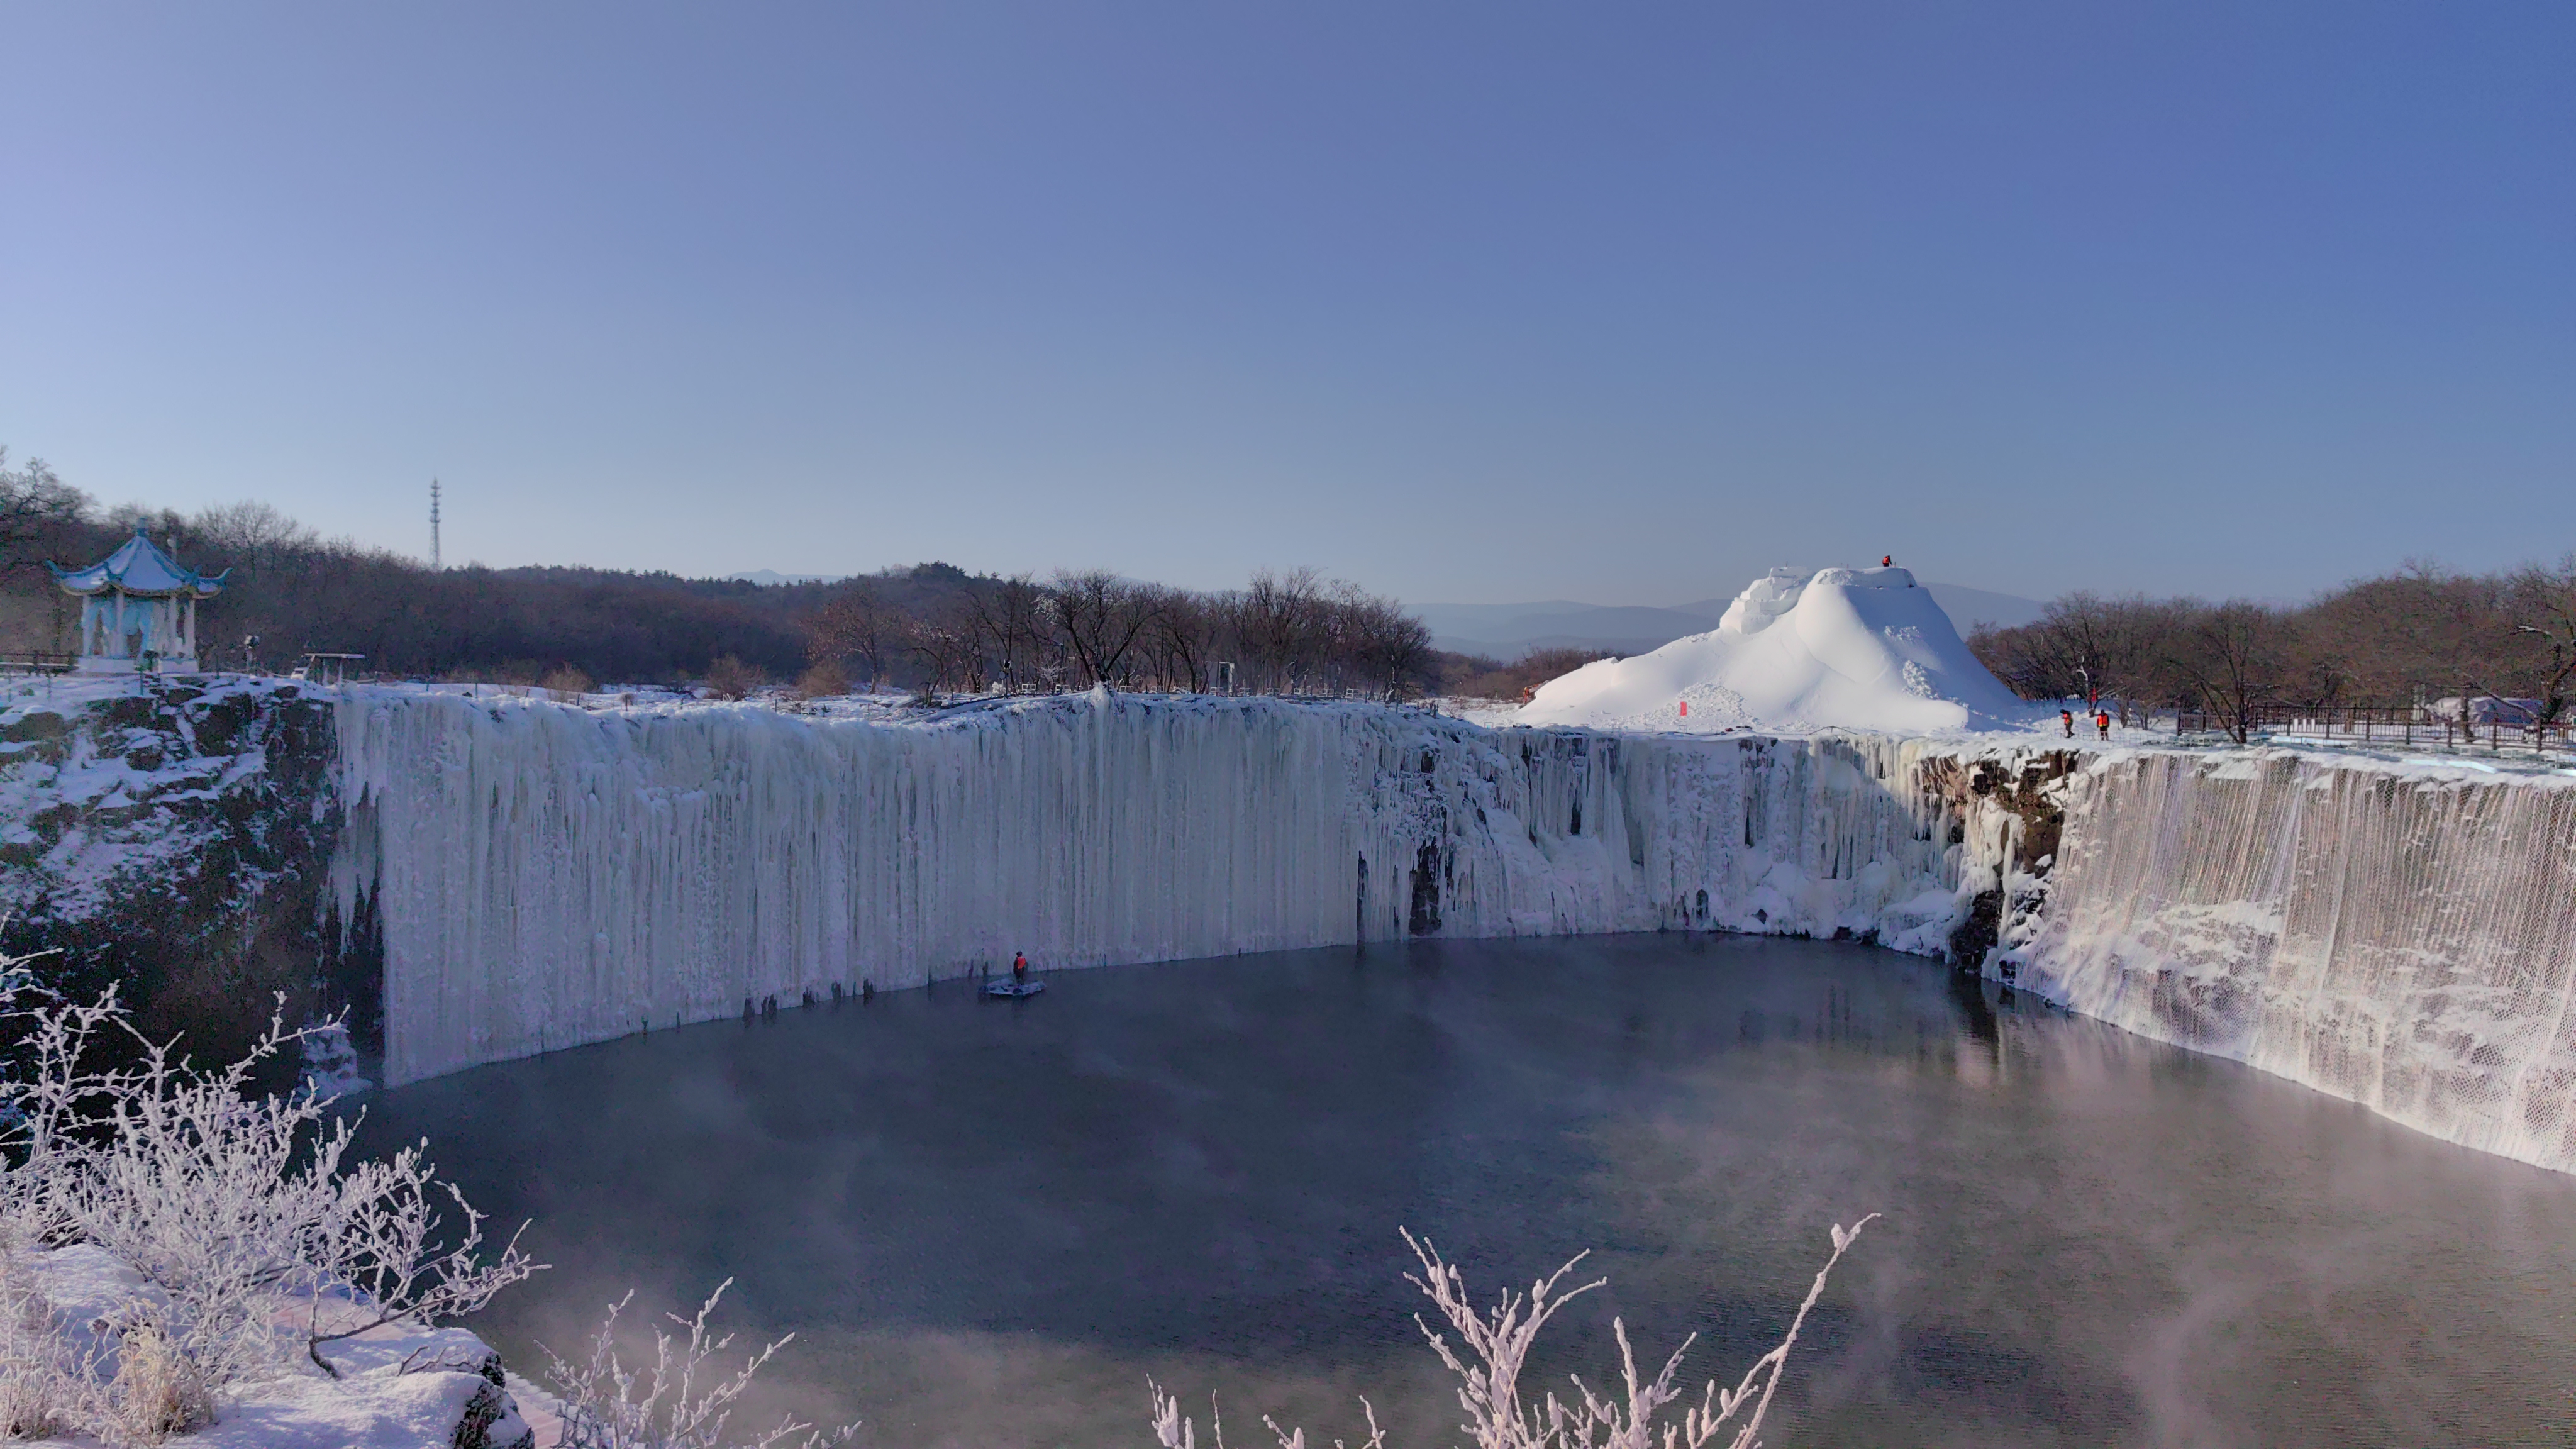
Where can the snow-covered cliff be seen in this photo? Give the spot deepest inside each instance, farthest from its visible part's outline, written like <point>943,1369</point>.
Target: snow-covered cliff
<point>546,876</point>
<point>542,875</point>
<point>2401,936</point>
<point>169,835</point>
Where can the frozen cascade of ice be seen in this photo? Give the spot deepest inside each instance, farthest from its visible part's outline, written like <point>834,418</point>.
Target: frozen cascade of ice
<point>2403,939</point>
<point>547,876</point>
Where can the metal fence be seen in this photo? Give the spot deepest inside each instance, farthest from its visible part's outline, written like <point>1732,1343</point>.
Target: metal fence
<point>2407,726</point>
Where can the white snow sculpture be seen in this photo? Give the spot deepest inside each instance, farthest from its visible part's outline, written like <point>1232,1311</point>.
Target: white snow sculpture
<point>1861,649</point>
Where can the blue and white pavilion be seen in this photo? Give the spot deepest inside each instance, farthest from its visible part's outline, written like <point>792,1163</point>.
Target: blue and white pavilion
<point>138,609</point>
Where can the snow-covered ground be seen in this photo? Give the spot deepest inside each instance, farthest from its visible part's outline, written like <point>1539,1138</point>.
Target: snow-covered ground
<point>87,794</point>
<point>400,1386</point>
<point>157,820</point>
<point>1856,649</point>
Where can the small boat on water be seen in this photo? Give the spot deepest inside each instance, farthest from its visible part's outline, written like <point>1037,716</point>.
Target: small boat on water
<point>1009,987</point>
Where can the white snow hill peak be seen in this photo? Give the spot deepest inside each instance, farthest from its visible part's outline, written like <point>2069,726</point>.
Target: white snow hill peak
<point>1862,649</point>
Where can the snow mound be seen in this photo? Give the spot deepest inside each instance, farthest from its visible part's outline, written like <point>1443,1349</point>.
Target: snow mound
<point>1862,649</point>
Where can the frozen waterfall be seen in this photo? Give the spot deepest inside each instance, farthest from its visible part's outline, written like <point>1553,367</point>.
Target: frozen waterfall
<point>547,876</point>
<point>2405,939</point>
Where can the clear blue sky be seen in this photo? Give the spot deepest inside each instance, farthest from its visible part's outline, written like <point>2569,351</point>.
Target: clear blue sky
<point>1621,303</point>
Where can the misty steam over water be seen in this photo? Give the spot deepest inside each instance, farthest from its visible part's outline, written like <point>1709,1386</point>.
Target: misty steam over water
<point>988,1223</point>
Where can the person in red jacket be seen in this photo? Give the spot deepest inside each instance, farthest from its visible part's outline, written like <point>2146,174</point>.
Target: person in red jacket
<point>2102,721</point>
<point>2066,720</point>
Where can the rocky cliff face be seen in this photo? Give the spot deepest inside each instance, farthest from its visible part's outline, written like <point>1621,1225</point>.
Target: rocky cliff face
<point>173,837</point>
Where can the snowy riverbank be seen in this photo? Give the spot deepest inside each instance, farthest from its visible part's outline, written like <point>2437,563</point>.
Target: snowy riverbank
<point>399,1387</point>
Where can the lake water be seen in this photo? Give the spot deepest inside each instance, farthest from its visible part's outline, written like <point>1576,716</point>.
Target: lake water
<point>989,1222</point>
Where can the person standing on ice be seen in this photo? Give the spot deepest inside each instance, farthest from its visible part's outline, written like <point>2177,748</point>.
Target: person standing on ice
<point>1887,561</point>
<point>2102,721</point>
<point>1019,966</point>
<point>2066,717</point>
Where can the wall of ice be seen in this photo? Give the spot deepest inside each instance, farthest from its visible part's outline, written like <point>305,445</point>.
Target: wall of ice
<point>2401,937</point>
<point>545,876</point>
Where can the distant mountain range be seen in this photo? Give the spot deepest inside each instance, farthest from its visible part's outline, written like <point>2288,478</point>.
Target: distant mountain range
<point>773,576</point>
<point>1508,630</point>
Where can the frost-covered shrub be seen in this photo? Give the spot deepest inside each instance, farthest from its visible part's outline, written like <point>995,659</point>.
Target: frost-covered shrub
<point>159,1390</point>
<point>1497,1346</point>
<point>257,1242</point>
<point>47,1384</point>
<point>227,1201</point>
<point>680,1402</point>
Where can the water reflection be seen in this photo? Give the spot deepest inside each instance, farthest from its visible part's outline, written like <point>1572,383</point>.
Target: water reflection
<point>990,1221</point>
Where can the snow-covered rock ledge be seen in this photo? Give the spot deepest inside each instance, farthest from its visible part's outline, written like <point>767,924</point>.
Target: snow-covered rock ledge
<point>172,836</point>
<point>400,1386</point>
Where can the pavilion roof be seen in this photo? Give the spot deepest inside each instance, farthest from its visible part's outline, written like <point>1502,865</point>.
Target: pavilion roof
<point>139,567</point>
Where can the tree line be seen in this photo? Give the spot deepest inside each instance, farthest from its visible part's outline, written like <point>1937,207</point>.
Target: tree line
<point>927,626</point>
<point>1290,632</point>
<point>2409,639</point>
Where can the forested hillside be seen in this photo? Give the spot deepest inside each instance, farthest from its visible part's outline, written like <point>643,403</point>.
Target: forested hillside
<point>2413,637</point>
<point>928,625</point>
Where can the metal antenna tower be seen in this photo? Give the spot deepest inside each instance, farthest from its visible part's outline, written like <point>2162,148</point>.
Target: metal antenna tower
<point>434,564</point>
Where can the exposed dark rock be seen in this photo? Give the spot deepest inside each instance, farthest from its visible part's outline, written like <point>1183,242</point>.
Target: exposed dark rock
<point>1972,938</point>
<point>1426,890</point>
<point>181,852</point>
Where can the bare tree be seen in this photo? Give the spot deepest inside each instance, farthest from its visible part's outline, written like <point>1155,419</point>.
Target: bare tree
<point>1182,639</point>
<point>1276,619</point>
<point>1013,626</point>
<point>2091,648</point>
<point>35,508</point>
<point>250,535</point>
<point>2541,607</point>
<point>945,642</point>
<point>1101,616</point>
<point>2407,636</point>
<point>2234,658</point>
<point>855,623</point>
<point>681,1400</point>
<point>732,678</point>
<point>1386,647</point>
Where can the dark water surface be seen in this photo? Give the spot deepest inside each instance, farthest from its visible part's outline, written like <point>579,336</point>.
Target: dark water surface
<point>989,1222</point>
